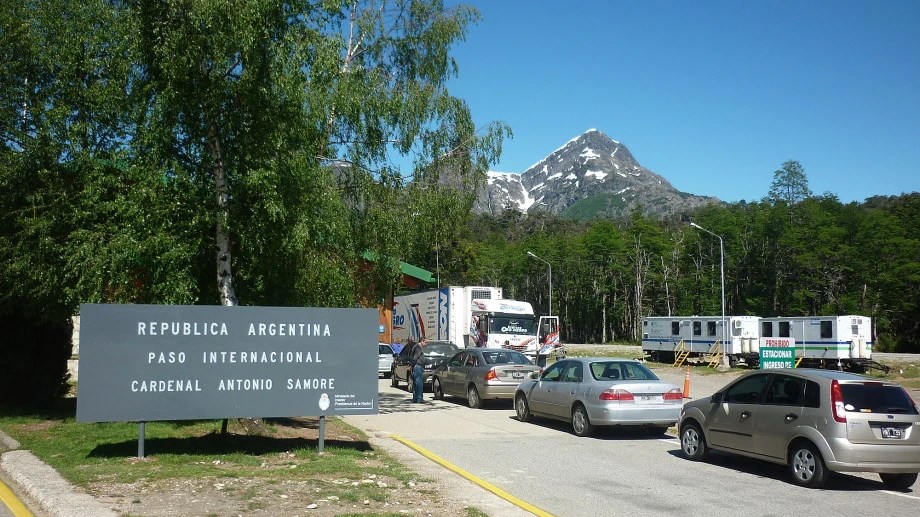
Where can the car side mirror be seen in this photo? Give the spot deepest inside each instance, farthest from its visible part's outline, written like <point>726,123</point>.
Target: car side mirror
<point>715,398</point>
<point>535,375</point>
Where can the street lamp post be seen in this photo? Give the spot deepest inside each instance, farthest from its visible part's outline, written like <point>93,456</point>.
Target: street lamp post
<point>722,275</point>
<point>550,281</point>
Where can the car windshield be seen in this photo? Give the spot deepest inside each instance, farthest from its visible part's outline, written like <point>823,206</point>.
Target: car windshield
<point>513,325</point>
<point>504,357</point>
<point>440,349</point>
<point>874,397</point>
<point>618,370</point>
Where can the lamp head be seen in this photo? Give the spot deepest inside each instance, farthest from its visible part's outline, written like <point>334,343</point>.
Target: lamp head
<point>531,254</point>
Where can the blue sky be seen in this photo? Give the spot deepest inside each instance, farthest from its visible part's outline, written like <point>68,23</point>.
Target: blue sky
<point>712,95</point>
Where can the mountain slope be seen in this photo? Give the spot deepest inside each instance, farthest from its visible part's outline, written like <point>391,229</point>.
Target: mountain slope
<point>590,176</point>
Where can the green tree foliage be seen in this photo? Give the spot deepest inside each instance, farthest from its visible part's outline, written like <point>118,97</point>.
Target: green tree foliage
<point>817,257</point>
<point>228,151</point>
<point>790,184</point>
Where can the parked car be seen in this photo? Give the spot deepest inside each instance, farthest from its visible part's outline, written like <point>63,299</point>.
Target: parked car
<point>813,421</point>
<point>384,359</point>
<point>599,391</point>
<point>436,353</point>
<point>481,374</point>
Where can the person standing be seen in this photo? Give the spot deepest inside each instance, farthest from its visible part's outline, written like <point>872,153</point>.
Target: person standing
<point>418,370</point>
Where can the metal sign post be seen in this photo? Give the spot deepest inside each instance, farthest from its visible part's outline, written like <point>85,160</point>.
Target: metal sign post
<point>140,439</point>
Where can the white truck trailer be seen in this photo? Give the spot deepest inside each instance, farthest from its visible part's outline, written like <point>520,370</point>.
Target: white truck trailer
<point>835,342</point>
<point>443,314</point>
<point>840,342</point>
<point>475,316</point>
<point>663,337</point>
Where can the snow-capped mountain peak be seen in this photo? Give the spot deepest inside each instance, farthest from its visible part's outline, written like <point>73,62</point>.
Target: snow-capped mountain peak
<point>590,175</point>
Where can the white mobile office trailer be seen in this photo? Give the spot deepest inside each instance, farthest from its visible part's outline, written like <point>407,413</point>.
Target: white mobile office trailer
<point>825,341</point>
<point>663,335</point>
<point>440,314</point>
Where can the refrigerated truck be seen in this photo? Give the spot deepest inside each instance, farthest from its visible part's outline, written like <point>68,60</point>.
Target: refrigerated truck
<point>443,314</point>
<point>475,316</point>
<point>661,336</point>
<point>825,341</point>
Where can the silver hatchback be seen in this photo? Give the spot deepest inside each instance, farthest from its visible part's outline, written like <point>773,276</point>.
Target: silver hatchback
<point>813,421</point>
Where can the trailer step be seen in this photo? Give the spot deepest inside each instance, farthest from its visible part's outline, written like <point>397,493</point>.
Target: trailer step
<point>715,354</point>
<point>680,354</point>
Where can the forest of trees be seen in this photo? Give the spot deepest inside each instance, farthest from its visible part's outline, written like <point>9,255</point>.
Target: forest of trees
<point>249,151</point>
<point>816,256</point>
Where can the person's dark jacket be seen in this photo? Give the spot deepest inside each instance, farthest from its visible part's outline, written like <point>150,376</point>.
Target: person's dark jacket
<point>415,355</point>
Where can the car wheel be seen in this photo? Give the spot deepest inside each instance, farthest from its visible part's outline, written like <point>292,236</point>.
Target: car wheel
<point>807,466</point>
<point>436,390</point>
<point>522,408</point>
<point>472,396</point>
<point>580,422</point>
<point>898,481</point>
<point>692,442</point>
<point>394,381</point>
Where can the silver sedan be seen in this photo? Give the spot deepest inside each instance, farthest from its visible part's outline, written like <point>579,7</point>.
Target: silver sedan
<point>481,374</point>
<point>595,391</point>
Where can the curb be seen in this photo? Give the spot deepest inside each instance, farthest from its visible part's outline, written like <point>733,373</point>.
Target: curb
<point>41,483</point>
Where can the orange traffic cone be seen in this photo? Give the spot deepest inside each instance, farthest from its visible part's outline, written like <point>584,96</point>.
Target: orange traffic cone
<point>687,384</point>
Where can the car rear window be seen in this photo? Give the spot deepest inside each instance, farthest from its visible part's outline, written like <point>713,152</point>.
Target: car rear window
<point>383,349</point>
<point>874,397</point>
<point>505,357</point>
<point>440,349</point>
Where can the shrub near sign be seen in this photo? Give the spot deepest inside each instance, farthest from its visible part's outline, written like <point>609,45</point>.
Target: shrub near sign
<point>777,352</point>
<point>175,362</point>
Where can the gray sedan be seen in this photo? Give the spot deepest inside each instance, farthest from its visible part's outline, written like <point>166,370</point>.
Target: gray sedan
<point>595,391</point>
<point>481,374</point>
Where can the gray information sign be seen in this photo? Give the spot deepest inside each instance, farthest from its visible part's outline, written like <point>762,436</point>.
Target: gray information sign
<point>184,362</point>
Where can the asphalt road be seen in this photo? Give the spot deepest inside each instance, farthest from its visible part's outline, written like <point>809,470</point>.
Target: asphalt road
<point>617,472</point>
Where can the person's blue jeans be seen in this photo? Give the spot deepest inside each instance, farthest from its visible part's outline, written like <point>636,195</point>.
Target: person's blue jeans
<point>418,382</point>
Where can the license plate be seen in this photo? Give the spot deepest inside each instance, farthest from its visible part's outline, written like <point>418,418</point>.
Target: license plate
<point>646,397</point>
<point>892,432</point>
<point>517,375</point>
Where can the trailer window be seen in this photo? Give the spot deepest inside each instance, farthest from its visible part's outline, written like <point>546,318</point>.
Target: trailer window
<point>697,328</point>
<point>710,328</point>
<point>784,329</point>
<point>766,329</point>
<point>675,328</point>
<point>827,330</point>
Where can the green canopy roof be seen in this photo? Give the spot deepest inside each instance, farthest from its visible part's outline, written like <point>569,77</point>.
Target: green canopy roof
<point>407,269</point>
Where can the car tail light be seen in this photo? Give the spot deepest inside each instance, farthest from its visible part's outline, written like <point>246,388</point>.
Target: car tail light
<point>617,394</point>
<point>491,375</point>
<point>840,413</point>
<point>673,395</point>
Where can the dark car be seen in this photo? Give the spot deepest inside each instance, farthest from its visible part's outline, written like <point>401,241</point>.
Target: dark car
<point>436,354</point>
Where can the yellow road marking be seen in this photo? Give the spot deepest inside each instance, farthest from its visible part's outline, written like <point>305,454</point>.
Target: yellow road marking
<point>481,482</point>
<point>8,498</point>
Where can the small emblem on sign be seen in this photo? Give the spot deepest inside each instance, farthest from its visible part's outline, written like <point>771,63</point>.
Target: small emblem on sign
<point>324,402</point>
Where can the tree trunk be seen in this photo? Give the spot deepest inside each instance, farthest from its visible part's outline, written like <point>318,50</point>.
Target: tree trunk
<point>222,236</point>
